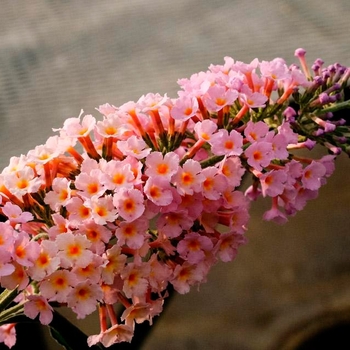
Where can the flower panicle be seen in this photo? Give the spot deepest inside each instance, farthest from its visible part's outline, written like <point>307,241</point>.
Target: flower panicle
<point>114,211</point>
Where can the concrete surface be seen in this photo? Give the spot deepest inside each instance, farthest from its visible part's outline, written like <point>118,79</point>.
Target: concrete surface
<point>57,57</point>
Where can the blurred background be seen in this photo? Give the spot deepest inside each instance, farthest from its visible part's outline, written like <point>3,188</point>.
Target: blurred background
<point>290,286</point>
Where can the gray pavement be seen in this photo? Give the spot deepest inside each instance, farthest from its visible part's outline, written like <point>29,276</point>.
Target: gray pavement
<point>57,57</point>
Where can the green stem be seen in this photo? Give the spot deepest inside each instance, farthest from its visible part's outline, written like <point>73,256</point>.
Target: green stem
<point>334,108</point>
<point>6,297</point>
<point>11,312</point>
<point>42,235</point>
<point>211,161</point>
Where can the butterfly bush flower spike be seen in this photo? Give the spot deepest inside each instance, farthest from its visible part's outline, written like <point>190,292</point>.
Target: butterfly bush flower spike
<point>115,208</point>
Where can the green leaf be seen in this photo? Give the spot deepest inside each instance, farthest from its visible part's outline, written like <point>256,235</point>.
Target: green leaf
<point>6,297</point>
<point>57,336</point>
<point>68,335</point>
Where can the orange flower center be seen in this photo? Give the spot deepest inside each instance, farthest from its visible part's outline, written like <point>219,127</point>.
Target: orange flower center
<point>187,178</point>
<point>162,169</point>
<point>118,179</point>
<point>92,188</point>
<point>129,205</point>
<point>154,192</point>
<point>74,250</point>
<point>229,144</point>
<point>257,155</point>
<point>22,184</point>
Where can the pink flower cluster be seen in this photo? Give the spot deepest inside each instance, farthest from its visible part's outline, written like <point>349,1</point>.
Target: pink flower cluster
<point>112,211</point>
